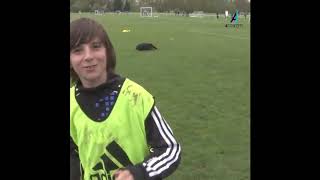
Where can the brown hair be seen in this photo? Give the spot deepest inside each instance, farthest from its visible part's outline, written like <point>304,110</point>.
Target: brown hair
<point>84,30</point>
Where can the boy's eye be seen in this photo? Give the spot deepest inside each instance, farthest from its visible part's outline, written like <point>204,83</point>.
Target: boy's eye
<point>76,50</point>
<point>96,45</point>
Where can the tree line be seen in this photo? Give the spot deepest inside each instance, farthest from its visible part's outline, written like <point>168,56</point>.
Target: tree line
<point>188,6</point>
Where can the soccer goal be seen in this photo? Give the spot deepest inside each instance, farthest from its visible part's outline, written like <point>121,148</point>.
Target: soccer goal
<point>99,12</point>
<point>146,11</point>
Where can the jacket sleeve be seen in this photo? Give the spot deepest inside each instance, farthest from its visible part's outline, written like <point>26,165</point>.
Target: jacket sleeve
<point>165,151</point>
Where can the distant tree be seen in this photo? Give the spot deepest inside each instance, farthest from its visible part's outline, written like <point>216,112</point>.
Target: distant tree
<point>99,5</point>
<point>127,6</point>
<point>109,5</point>
<point>244,5</point>
<point>117,5</point>
<point>187,6</point>
<point>218,6</point>
<point>231,6</point>
<point>80,5</point>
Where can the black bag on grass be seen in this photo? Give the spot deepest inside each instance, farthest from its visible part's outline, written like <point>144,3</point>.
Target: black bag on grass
<point>145,46</point>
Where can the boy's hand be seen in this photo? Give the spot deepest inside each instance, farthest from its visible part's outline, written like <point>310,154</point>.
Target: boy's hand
<point>123,174</point>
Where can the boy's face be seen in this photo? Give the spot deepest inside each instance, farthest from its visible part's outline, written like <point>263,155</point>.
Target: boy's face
<point>89,61</point>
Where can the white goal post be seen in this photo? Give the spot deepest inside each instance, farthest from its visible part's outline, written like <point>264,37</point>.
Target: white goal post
<point>98,12</point>
<point>146,11</point>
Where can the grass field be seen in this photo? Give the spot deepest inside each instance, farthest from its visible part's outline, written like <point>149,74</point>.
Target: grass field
<point>200,76</point>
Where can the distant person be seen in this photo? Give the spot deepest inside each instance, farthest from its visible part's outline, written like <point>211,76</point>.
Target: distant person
<point>116,129</point>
